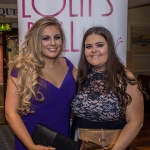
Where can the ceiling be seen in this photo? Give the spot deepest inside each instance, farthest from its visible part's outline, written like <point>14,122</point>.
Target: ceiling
<point>137,3</point>
<point>8,1</point>
<point>131,3</point>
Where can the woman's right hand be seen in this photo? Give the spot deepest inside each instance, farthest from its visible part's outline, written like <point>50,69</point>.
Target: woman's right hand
<point>40,147</point>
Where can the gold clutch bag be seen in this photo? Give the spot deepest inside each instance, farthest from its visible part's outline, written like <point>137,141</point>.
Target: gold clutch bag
<point>98,139</point>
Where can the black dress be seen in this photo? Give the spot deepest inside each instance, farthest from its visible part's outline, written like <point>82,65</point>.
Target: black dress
<point>93,108</point>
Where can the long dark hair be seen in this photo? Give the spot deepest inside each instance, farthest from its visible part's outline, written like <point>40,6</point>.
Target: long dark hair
<point>116,76</point>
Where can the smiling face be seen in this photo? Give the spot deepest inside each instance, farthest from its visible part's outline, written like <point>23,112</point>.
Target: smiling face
<point>96,51</point>
<point>51,42</point>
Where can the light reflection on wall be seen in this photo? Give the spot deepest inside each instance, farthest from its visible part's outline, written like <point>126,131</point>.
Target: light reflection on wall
<point>1,64</point>
<point>12,48</point>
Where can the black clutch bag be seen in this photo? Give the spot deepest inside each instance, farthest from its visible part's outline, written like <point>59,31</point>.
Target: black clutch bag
<point>47,137</point>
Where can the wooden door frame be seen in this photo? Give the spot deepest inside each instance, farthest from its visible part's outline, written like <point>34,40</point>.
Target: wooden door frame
<point>4,47</point>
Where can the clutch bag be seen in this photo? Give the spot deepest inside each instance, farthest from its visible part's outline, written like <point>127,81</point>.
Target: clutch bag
<point>45,136</point>
<point>95,139</point>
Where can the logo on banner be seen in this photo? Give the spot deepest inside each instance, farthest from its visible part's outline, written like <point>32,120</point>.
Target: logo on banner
<point>25,14</point>
<point>76,16</point>
<point>38,12</point>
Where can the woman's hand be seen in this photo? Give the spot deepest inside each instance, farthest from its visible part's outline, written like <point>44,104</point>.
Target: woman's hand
<point>40,147</point>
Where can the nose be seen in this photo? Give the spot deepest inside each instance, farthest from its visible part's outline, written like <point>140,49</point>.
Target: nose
<point>53,41</point>
<point>94,49</point>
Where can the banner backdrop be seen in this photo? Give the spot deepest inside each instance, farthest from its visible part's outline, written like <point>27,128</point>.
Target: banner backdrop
<point>76,16</point>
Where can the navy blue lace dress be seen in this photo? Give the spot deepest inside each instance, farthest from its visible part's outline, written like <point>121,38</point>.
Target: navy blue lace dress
<point>93,108</point>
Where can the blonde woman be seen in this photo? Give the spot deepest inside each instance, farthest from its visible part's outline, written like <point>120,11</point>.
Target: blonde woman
<point>41,85</point>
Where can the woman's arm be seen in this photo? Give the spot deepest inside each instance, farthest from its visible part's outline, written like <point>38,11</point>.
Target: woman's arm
<point>14,119</point>
<point>74,73</point>
<point>134,117</point>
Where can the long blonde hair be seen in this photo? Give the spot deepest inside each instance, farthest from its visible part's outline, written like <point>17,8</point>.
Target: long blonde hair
<point>30,62</point>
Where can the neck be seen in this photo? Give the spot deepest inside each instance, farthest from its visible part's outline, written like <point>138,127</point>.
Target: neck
<point>51,63</point>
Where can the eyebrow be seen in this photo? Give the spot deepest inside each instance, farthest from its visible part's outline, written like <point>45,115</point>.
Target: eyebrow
<point>95,43</point>
<point>49,35</point>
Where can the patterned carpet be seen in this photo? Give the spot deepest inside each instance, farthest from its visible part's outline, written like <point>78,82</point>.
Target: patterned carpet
<point>6,138</point>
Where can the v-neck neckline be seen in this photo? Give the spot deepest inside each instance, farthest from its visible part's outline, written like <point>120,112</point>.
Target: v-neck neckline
<point>49,82</point>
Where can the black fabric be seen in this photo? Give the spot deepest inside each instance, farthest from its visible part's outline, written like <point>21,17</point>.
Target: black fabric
<point>93,103</point>
<point>47,137</point>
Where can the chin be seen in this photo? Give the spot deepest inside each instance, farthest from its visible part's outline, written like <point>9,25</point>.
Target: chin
<point>53,57</point>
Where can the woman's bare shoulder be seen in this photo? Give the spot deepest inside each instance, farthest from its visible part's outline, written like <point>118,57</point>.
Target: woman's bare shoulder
<point>74,73</point>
